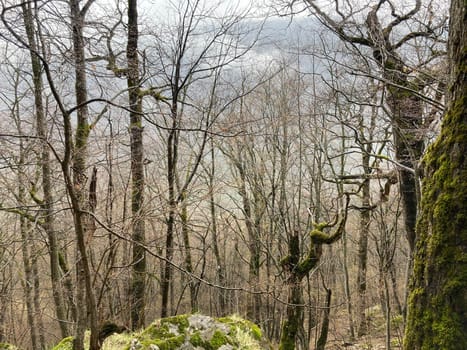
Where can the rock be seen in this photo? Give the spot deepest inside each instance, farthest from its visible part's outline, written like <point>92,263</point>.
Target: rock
<point>135,344</point>
<point>198,332</point>
<point>226,347</point>
<point>187,332</point>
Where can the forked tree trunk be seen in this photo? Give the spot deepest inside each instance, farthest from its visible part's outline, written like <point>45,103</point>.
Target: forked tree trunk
<point>297,269</point>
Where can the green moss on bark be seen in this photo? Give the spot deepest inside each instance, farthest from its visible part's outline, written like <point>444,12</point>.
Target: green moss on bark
<point>437,316</point>
<point>289,333</point>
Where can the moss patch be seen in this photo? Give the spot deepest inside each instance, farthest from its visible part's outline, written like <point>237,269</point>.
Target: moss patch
<point>65,344</point>
<point>166,333</point>
<point>236,322</point>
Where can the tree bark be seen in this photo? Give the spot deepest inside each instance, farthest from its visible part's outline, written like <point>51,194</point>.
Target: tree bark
<point>363,247</point>
<point>192,283</point>
<point>172,156</point>
<point>293,324</point>
<point>220,268</point>
<point>138,284</point>
<point>323,337</point>
<point>437,308</point>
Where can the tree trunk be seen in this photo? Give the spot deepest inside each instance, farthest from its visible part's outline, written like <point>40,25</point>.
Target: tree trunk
<point>407,114</point>
<point>220,269</point>
<point>437,308</point>
<point>363,248</point>
<point>293,324</point>
<point>323,337</point>
<point>172,153</point>
<point>37,293</point>
<point>47,200</point>
<point>253,301</point>
<point>169,240</point>
<point>27,283</point>
<point>77,189</point>
<point>138,284</point>
<point>192,283</point>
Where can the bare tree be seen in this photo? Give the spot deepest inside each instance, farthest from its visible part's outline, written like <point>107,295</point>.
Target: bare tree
<point>187,65</point>
<point>404,82</point>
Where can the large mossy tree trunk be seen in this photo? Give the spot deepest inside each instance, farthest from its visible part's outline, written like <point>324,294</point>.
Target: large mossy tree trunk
<point>437,314</point>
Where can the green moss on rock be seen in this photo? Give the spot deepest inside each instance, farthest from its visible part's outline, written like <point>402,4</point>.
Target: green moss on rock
<point>181,321</point>
<point>235,321</point>
<point>196,340</point>
<point>65,344</point>
<point>218,339</point>
<point>170,343</point>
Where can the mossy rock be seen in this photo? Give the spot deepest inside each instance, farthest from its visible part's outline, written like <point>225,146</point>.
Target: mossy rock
<point>187,332</point>
<point>198,332</point>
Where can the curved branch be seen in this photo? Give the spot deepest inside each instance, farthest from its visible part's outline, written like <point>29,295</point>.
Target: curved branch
<point>338,28</point>
<point>319,237</point>
<point>399,19</point>
<point>411,36</point>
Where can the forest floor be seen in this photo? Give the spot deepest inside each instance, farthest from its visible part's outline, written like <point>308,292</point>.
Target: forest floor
<point>375,339</point>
